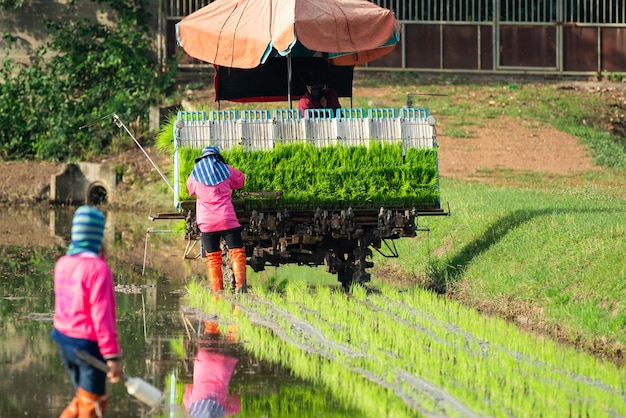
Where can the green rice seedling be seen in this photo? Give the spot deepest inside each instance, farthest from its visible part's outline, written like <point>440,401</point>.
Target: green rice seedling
<point>294,289</point>
<point>409,339</point>
<point>311,176</point>
<point>353,391</point>
<point>292,399</point>
<point>359,292</point>
<point>177,346</point>
<point>200,296</point>
<point>273,284</point>
<point>164,140</point>
<point>179,387</point>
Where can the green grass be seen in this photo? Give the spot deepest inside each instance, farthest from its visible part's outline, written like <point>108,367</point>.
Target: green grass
<point>550,258</point>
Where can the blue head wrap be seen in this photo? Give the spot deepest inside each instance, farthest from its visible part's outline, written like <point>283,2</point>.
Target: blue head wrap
<point>87,230</point>
<point>206,408</point>
<point>210,168</point>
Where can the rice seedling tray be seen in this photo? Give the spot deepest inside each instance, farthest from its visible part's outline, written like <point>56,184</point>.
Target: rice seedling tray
<point>327,195</point>
<point>304,176</point>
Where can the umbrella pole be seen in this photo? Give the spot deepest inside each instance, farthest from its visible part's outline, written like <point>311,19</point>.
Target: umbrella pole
<point>289,80</point>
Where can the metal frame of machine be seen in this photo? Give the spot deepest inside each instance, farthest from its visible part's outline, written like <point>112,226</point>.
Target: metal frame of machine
<point>340,237</point>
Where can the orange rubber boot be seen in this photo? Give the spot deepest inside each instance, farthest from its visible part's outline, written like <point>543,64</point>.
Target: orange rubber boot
<point>214,265</point>
<point>91,405</point>
<point>71,410</point>
<point>211,328</point>
<point>231,335</point>
<point>238,261</point>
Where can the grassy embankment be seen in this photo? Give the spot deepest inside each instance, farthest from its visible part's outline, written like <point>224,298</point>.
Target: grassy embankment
<point>550,258</point>
<point>545,251</point>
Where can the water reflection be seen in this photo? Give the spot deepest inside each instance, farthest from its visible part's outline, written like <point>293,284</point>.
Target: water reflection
<point>213,363</point>
<point>213,368</point>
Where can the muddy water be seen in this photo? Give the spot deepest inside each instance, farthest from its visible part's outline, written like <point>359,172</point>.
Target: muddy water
<point>187,355</point>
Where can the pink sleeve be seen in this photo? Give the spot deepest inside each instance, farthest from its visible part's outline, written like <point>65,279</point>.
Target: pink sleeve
<point>304,104</point>
<point>191,185</point>
<point>102,300</point>
<point>237,178</point>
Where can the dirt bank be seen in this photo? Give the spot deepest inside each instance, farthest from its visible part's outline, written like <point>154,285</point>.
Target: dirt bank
<point>501,144</point>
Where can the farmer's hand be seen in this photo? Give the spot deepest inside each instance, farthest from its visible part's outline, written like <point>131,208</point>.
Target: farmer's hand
<point>115,373</point>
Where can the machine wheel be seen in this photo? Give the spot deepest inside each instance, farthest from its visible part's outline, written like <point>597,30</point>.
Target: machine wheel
<point>352,269</point>
<point>345,275</point>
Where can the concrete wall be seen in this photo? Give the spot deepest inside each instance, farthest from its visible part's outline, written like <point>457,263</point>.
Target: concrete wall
<point>26,24</point>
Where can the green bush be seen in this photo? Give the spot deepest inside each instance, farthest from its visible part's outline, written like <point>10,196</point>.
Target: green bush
<point>46,107</point>
<point>11,4</point>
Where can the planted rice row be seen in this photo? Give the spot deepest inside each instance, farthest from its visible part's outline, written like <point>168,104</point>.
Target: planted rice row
<point>440,343</point>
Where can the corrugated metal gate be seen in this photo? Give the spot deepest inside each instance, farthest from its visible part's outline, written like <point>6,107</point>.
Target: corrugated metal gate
<point>541,36</point>
<point>527,35</point>
<point>174,11</point>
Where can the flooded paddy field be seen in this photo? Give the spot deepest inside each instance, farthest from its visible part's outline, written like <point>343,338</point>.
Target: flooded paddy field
<point>419,355</point>
<point>160,337</point>
<point>295,346</point>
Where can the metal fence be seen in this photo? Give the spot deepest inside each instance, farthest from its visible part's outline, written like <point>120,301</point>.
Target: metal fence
<point>599,12</point>
<point>527,11</point>
<point>435,11</point>
<point>582,36</point>
<point>472,11</point>
<point>176,9</point>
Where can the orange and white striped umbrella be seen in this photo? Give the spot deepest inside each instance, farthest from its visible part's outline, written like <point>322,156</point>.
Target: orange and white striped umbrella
<point>244,33</point>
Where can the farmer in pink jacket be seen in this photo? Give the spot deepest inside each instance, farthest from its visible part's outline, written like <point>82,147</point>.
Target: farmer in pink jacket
<point>84,315</point>
<point>212,182</point>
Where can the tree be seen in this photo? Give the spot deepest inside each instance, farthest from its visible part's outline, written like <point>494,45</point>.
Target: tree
<point>95,70</point>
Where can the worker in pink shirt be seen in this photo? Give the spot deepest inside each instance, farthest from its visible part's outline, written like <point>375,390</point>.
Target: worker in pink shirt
<point>212,182</point>
<point>318,94</point>
<point>84,315</point>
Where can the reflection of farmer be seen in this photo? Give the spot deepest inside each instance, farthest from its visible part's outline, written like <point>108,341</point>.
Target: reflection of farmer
<point>318,95</point>
<point>212,371</point>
